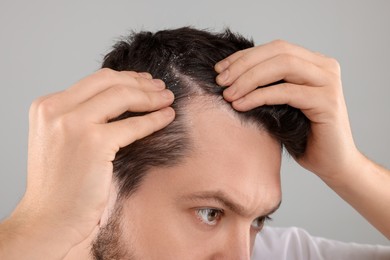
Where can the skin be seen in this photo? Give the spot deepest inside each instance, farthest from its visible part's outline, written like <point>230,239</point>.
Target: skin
<point>247,175</point>
<point>314,86</point>
<point>68,185</point>
<point>68,178</point>
<point>168,203</point>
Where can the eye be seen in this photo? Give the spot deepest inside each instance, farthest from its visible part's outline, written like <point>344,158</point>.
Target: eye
<point>258,223</point>
<point>209,216</point>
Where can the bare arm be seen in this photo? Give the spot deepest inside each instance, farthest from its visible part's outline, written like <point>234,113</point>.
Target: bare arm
<point>365,186</point>
<point>313,85</point>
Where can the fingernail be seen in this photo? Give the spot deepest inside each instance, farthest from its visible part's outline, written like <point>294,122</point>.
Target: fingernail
<point>145,75</point>
<point>169,112</point>
<point>158,83</point>
<point>230,91</point>
<point>167,94</point>
<point>223,77</point>
<point>221,66</point>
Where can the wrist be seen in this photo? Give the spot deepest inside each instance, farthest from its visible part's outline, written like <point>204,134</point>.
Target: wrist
<point>346,170</point>
<point>360,185</point>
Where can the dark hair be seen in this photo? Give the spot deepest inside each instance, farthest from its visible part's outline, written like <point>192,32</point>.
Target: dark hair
<point>184,58</point>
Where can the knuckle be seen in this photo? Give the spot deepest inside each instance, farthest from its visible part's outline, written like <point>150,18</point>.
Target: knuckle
<point>243,61</point>
<point>137,127</point>
<point>35,105</point>
<point>154,122</point>
<point>147,123</point>
<point>287,59</point>
<point>120,90</point>
<point>334,65</point>
<point>144,75</point>
<point>106,73</point>
<point>286,89</point>
<point>129,73</point>
<point>240,53</point>
<point>139,81</point>
<point>44,108</point>
<point>299,91</point>
<point>250,77</point>
<point>281,45</point>
<point>152,98</point>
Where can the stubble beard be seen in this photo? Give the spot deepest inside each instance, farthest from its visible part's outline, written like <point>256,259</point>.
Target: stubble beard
<point>109,243</point>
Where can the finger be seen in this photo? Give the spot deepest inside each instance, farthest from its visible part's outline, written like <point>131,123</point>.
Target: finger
<point>126,131</point>
<point>105,78</point>
<point>100,81</point>
<point>224,64</point>
<point>242,62</point>
<point>299,96</point>
<point>40,104</point>
<point>145,75</point>
<point>119,99</point>
<point>282,67</point>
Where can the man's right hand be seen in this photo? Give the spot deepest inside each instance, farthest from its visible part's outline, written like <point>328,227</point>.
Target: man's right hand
<point>70,154</point>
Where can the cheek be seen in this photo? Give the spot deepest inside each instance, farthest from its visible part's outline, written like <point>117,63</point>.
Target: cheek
<point>159,228</point>
<point>162,230</point>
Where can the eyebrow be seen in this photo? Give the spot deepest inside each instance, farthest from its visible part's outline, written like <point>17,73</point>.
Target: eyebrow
<point>224,199</point>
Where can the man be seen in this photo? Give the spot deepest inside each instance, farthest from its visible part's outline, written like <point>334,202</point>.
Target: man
<point>201,187</point>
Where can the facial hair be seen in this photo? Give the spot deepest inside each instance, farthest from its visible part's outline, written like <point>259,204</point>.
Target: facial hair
<point>109,244</point>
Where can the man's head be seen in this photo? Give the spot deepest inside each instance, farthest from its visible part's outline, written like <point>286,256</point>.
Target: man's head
<point>201,187</point>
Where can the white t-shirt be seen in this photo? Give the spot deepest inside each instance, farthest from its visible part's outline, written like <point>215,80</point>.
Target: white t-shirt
<point>296,244</point>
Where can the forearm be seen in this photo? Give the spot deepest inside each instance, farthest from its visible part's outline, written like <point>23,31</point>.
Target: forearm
<point>366,187</point>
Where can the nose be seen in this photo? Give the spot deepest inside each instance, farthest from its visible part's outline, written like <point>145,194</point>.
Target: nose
<point>238,245</point>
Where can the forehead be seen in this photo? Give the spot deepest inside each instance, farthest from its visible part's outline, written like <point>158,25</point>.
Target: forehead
<point>229,156</point>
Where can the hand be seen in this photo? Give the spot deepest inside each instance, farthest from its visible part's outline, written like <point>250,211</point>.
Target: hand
<point>71,149</point>
<point>313,85</point>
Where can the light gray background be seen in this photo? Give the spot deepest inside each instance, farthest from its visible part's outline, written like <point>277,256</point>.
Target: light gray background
<point>46,46</point>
